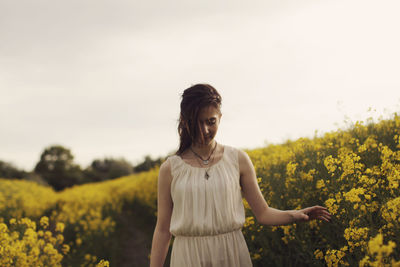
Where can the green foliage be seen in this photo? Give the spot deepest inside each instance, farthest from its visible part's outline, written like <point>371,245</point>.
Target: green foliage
<point>108,168</point>
<point>147,164</point>
<point>57,168</point>
<point>8,170</point>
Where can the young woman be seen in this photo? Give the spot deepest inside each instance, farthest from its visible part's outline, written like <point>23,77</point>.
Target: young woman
<point>200,193</point>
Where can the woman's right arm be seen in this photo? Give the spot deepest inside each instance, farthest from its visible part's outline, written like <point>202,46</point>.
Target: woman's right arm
<point>162,235</point>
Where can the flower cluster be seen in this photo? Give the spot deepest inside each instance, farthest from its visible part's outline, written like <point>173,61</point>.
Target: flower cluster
<point>355,173</point>
<point>87,214</point>
<point>22,244</point>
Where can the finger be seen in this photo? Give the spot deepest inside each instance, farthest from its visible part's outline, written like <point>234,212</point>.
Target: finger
<point>325,218</point>
<point>319,207</point>
<point>321,218</point>
<point>315,210</point>
<point>324,213</point>
<point>306,210</point>
<point>316,215</point>
<point>322,209</point>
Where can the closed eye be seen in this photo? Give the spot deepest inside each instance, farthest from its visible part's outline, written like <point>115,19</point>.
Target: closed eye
<point>211,122</point>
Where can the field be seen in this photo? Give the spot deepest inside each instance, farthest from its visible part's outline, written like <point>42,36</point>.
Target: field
<point>355,173</point>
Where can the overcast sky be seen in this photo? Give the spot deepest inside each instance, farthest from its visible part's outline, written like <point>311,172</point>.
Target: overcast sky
<point>104,78</point>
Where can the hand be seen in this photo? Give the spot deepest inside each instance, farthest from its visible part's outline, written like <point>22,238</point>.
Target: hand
<point>311,213</point>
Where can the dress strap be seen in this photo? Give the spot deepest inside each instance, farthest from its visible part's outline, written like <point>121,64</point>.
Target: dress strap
<point>175,162</point>
<point>172,160</point>
<point>232,154</point>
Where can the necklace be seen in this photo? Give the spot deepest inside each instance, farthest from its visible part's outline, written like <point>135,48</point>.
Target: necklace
<point>206,175</point>
<point>205,161</point>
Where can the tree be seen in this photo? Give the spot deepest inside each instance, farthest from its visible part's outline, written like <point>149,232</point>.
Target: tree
<point>57,168</point>
<point>8,170</point>
<point>147,164</point>
<point>108,168</point>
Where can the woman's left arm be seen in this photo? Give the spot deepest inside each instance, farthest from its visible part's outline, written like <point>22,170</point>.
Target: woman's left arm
<point>265,214</point>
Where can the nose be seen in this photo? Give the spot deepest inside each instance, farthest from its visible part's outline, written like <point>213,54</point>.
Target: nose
<point>205,130</point>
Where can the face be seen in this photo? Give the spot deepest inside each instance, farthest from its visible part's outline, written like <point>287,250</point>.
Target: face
<point>209,118</point>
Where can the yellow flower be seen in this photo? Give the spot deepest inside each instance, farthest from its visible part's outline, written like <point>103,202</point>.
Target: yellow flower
<point>356,237</point>
<point>353,194</point>
<point>44,222</point>
<point>376,246</point>
<point>60,227</point>
<point>249,221</point>
<point>291,168</point>
<point>331,164</point>
<point>332,207</point>
<point>318,254</point>
<point>65,249</point>
<point>320,184</point>
<point>3,228</point>
<point>103,263</point>
<point>334,257</point>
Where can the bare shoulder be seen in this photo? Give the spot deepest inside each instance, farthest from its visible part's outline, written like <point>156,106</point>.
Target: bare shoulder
<point>243,156</point>
<point>166,165</point>
<point>244,161</point>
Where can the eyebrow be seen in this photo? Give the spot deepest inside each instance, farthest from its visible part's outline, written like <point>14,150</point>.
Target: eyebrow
<point>210,119</point>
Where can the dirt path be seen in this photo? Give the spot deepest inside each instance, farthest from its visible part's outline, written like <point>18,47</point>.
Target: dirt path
<point>136,233</point>
<point>136,245</point>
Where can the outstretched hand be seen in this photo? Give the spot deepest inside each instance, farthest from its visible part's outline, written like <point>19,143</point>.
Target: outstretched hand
<point>311,213</point>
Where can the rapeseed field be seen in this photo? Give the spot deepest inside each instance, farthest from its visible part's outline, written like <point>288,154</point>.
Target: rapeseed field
<point>354,172</point>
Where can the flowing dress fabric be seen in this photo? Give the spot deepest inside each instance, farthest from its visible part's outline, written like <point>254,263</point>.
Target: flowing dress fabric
<point>208,214</point>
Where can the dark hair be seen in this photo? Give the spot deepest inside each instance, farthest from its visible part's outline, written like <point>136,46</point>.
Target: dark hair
<point>194,98</point>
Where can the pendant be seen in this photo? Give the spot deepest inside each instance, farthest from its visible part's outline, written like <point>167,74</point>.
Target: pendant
<point>207,175</point>
<point>205,162</point>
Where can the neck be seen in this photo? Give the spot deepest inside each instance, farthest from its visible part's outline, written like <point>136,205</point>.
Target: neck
<point>204,149</point>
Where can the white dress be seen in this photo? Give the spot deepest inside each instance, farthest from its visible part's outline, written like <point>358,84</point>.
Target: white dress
<point>208,214</point>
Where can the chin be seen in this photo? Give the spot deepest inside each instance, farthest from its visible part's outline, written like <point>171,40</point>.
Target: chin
<point>207,141</point>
